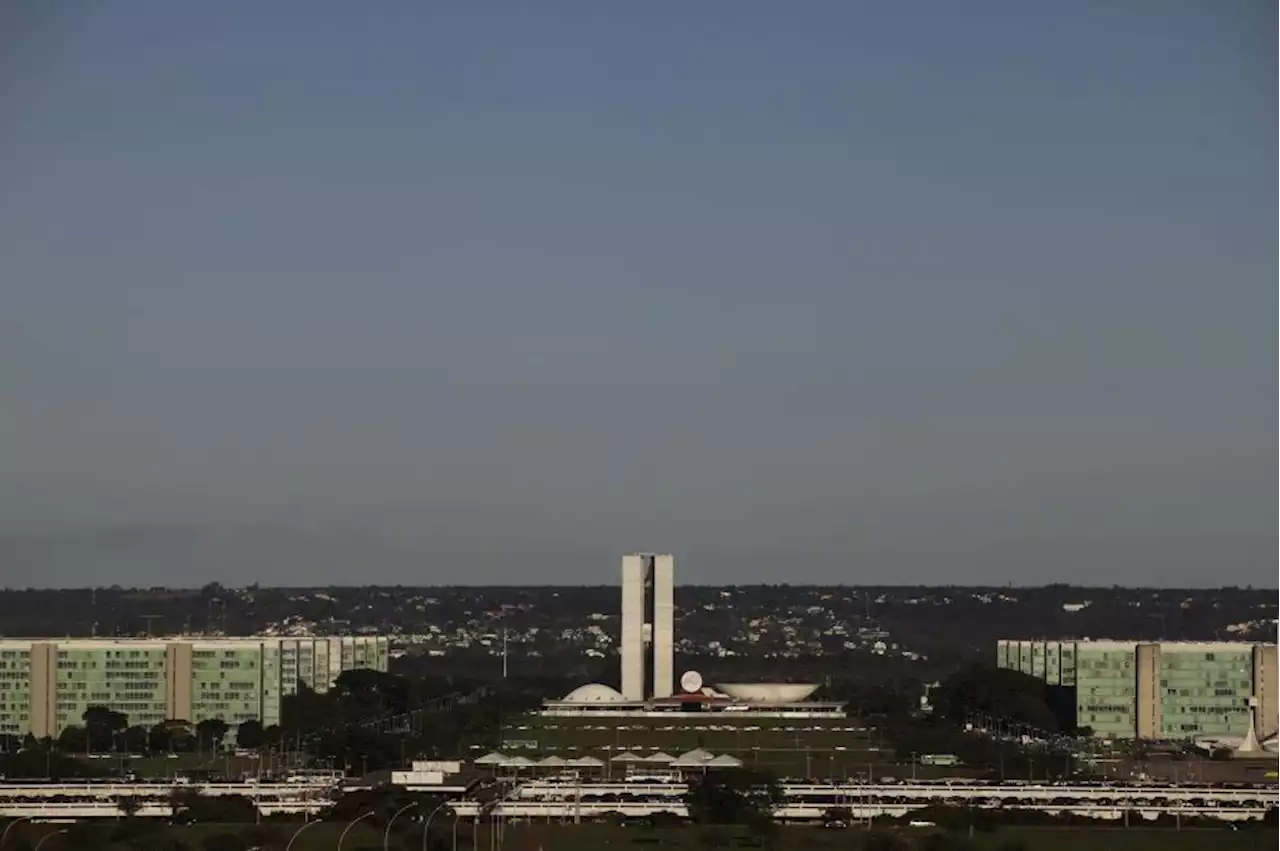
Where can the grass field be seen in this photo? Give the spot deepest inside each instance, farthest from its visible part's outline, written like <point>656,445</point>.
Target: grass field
<point>324,837</point>
<point>788,747</point>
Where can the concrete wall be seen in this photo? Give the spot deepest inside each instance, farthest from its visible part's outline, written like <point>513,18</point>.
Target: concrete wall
<point>664,570</point>
<point>177,686</point>
<point>631,647</point>
<point>44,689</point>
<point>1149,709</point>
<point>1265,689</point>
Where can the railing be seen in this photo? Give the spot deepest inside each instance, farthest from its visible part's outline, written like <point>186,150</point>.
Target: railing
<point>127,790</point>
<point>89,809</point>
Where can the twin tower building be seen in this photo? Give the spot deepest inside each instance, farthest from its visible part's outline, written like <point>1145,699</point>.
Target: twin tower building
<point>648,626</point>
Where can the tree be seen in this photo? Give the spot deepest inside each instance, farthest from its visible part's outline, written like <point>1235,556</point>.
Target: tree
<point>159,738</point>
<point>250,734</point>
<point>135,739</point>
<point>228,809</point>
<point>211,732</point>
<point>181,735</point>
<point>182,799</point>
<point>106,718</point>
<point>73,739</point>
<point>129,806</point>
<point>101,726</point>
<point>734,796</point>
<point>1004,693</point>
<point>377,691</point>
<point>44,761</point>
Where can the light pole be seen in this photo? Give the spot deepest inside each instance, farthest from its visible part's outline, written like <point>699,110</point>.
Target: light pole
<point>352,824</point>
<point>289,845</point>
<point>386,834</point>
<point>47,836</point>
<point>426,826</point>
<point>8,827</point>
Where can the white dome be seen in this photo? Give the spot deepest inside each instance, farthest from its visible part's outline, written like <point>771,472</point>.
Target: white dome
<point>593,693</point>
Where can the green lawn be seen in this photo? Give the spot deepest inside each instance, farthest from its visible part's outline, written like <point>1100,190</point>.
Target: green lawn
<point>788,747</point>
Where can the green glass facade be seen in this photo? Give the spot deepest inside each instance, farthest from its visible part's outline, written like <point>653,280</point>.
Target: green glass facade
<point>128,678</point>
<point>226,683</point>
<point>46,685</point>
<point>1106,688</point>
<point>15,690</point>
<point>1157,690</point>
<point>1205,692</point>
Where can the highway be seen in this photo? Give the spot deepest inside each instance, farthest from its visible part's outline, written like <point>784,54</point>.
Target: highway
<point>811,801</point>
<point>71,801</point>
<point>115,791</point>
<point>567,799</point>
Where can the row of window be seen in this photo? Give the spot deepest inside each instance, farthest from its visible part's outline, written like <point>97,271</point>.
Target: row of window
<point>1201,692</point>
<point>117,705</point>
<point>122,675</point>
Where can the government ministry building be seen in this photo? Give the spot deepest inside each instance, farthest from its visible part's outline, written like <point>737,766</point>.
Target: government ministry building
<point>47,684</point>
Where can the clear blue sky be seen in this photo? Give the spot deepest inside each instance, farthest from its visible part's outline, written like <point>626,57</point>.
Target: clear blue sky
<point>305,292</point>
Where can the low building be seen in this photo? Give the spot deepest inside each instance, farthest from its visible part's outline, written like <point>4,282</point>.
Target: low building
<point>47,684</point>
<point>1170,690</point>
<point>728,700</point>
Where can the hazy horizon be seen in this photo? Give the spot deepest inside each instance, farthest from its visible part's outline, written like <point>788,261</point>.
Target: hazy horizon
<point>910,293</point>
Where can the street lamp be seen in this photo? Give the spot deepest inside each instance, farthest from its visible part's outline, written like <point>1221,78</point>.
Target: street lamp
<point>352,824</point>
<point>46,837</point>
<point>289,845</point>
<point>426,826</point>
<point>386,834</point>
<point>8,827</point>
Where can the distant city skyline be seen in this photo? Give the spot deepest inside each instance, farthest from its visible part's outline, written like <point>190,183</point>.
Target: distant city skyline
<point>309,293</point>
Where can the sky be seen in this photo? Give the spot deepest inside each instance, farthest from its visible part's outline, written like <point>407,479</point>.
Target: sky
<point>915,292</point>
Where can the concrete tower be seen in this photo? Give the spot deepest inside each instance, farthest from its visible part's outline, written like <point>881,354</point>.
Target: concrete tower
<point>648,623</point>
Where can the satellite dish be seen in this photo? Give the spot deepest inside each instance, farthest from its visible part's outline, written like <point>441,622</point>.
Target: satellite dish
<point>691,681</point>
